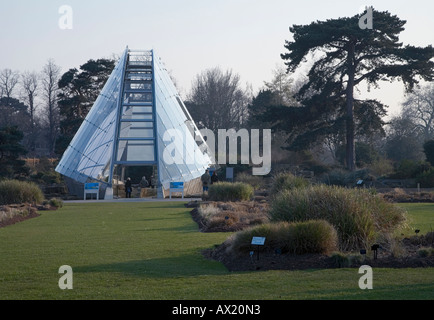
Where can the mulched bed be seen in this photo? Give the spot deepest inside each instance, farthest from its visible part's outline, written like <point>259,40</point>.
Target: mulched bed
<point>18,218</point>
<point>33,213</point>
<point>232,210</point>
<point>275,261</point>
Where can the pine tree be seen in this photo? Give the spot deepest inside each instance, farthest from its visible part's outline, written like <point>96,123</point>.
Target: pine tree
<point>344,56</point>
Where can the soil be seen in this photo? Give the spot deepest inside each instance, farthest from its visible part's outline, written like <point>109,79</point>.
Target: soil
<point>274,261</point>
<point>33,212</point>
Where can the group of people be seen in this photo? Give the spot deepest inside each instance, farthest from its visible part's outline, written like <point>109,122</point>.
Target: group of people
<point>144,183</point>
<point>206,179</point>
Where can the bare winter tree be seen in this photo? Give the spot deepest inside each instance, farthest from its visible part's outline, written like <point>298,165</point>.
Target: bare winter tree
<point>30,85</point>
<point>50,77</point>
<point>217,100</point>
<point>419,107</point>
<point>8,81</point>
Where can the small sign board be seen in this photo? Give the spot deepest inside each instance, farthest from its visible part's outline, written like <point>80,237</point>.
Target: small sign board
<point>230,173</point>
<point>91,188</point>
<point>176,187</point>
<point>259,241</point>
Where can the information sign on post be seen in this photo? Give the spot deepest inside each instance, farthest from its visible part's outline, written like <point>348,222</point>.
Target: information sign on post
<point>258,241</point>
<point>176,187</point>
<point>91,188</point>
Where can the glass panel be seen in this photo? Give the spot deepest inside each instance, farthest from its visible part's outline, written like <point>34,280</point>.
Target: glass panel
<point>139,76</point>
<point>136,109</point>
<point>171,116</point>
<point>138,86</point>
<point>138,116</point>
<point>136,130</point>
<point>138,97</point>
<point>140,152</point>
<point>91,148</point>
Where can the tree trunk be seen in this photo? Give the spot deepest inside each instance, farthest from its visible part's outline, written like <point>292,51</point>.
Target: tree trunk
<point>350,155</point>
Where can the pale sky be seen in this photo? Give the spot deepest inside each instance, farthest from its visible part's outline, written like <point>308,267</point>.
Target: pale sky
<point>190,36</point>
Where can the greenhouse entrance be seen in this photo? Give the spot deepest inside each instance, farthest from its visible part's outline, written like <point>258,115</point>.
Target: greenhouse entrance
<point>143,181</point>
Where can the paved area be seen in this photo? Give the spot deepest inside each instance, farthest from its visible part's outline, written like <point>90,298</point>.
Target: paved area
<point>135,200</point>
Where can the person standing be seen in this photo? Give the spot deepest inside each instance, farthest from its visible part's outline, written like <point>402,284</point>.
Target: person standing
<point>128,188</point>
<point>143,185</point>
<point>206,180</point>
<point>214,177</point>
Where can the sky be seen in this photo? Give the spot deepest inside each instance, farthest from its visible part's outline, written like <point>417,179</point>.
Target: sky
<point>190,36</point>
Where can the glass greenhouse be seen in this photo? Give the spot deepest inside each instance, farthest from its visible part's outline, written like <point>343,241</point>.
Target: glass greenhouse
<point>138,121</point>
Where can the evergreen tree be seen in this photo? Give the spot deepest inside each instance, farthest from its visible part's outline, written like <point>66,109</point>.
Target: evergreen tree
<point>428,149</point>
<point>344,56</point>
<point>11,166</point>
<point>78,91</point>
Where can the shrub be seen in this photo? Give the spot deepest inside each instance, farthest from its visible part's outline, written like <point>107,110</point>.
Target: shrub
<point>231,216</point>
<point>344,260</point>
<point>426,178</point>
<point>287,181</point>
<point>10,213</point>
<point>408,169</point>
<point>17,192</point>
<point>55,202</point>
<point>316,236</point>
<point>228,191</point>
<point>357,214</point>
<point>255,181</point>
<point>425,252</point>
<point>340,259</point>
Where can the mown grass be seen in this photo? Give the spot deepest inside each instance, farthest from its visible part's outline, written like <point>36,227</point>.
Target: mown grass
<point>421,217</point>
<point>151,250</point>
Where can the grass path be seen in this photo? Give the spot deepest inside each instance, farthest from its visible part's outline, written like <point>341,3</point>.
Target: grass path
<point>151,251</point>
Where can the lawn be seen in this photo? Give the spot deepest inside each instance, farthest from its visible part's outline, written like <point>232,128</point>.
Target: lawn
<point>421,216</point>
<point>151,250</point>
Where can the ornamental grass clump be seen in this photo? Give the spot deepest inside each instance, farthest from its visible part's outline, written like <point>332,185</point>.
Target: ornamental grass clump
<point>18,192</point>
<point>228,191</point>
<point>287,181</point>
<point>314,236</point>
<point>357,214</point>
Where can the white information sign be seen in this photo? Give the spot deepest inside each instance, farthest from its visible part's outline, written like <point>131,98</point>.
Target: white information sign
<point>259,241</point>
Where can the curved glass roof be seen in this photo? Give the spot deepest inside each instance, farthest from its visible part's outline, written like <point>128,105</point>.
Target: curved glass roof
<point>138,119</point>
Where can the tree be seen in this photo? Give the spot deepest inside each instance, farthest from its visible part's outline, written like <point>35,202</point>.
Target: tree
<point>8,81</point>
<point>428,149</point>
<point>30,83</point>
<point>11,166</point>
<point>282,86</point>
<point>419,107</point>
<point>265,100</point>
<point>217,100</point>
<point>50,78</point>
<point>404,140</point>
<point>344,56</point>
<point>78,90</point>
<point>17,115</point>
